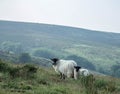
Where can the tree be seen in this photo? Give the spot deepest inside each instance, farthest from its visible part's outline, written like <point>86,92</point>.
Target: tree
<point>24,57</point>
<point>116,70</point>
<point>45,53</point>
<point>82,62</point>
<point>12,46</point>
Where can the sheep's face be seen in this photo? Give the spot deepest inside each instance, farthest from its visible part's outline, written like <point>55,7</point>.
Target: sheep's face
<point>77,68</point>
<point>54,63</point>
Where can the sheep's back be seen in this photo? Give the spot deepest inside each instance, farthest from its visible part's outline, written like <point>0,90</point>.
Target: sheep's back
<point>84,72</point>
<point>67,66</point>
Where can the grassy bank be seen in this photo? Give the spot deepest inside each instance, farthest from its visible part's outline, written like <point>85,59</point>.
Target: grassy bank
<point>31,79</point>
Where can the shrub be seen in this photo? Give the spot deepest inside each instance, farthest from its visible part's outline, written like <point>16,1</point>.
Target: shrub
<point>24,57</point>
<point>30,68</point>
<point>116,70</point>
<point>14,72</point>
<point>27,71</point>
<point>4,67</point>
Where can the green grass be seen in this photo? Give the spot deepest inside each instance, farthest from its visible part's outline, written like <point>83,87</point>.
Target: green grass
<point>47,81</point>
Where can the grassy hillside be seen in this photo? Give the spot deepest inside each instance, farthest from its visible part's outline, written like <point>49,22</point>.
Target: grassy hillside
<point>32,79</point>
<point>43,40</point>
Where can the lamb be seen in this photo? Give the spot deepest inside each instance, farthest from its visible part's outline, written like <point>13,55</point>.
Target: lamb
<point>80,71</point>
<point>64,67</point>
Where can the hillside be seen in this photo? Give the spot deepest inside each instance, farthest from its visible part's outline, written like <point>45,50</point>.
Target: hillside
<point>32,79</point>
<point>54,33</point>
<point>98,48</point>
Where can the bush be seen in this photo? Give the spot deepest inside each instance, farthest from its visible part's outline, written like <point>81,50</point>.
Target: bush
<point>24,58</point>
<point>30,68</point>
<point>14,72</point>
<point>27,71</point>
<point>116,70</point>
<point>4,67</point>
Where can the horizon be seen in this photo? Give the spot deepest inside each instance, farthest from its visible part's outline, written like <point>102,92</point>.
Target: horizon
<point>99,15</point>
<point>58,25</point>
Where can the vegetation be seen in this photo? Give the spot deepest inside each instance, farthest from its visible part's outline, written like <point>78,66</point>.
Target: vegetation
<point>24,57</point>
<point>82,61</point>
<point>30,79</point>
<point>116,70</point>
<point>98,51</point>
<point>45,53</point>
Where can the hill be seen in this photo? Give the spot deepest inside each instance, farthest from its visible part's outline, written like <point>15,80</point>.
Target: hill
<point>32,79</point>
<point>100,49</point>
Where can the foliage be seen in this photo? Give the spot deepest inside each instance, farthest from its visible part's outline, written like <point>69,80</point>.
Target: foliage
<point>102,57</point>
<point>26,71</point>
<point>4,67</point>
<point>82,61</point>
<point>45,53</point>
<point>116,70</point>
<point>24,58</point>
<point>11,47</point>
<point>99,48</point>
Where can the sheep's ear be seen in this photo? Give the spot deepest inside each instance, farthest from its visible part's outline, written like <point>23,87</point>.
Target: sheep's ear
<point>55,59</point>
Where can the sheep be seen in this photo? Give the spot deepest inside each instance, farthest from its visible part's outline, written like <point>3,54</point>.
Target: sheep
<point>80,71</point>
<point>64,67</point>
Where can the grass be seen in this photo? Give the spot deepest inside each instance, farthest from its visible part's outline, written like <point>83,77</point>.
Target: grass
<point>46,81</point>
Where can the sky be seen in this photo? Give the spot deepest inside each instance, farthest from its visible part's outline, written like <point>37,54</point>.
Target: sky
<point>102,15</point>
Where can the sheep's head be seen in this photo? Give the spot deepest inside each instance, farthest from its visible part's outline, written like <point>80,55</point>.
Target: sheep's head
<point>54,63</point>
<point>77,68</point>
<point>54,60</point>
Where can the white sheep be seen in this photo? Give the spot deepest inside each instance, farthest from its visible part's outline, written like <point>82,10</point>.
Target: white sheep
<point>64,67</point>
<point>80,71</point>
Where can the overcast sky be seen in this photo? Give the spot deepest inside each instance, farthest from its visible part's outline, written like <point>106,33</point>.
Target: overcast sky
<point>103,15</point>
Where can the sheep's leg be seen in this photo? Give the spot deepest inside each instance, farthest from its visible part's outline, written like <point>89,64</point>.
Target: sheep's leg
<point>72,75</point>
<point>60,75</point>
<point>63,76</point>
<point>75,75</point>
